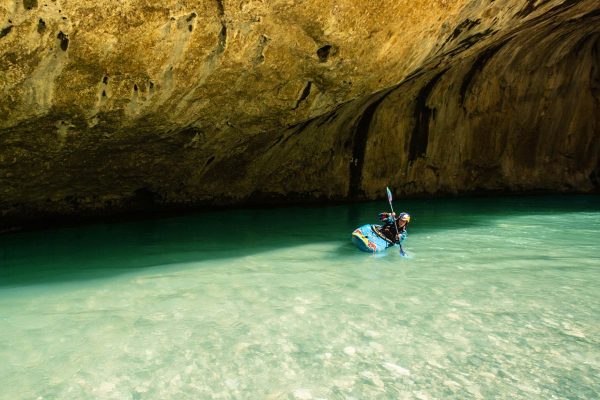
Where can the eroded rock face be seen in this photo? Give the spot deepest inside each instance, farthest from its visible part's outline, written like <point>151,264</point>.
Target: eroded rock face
<point>117,105</point>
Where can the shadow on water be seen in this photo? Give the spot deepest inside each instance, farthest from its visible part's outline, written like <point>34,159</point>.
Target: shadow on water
<point>104,250</point>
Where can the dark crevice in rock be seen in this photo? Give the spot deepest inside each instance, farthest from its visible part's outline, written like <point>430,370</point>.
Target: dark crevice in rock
<point>190,132</point>
<point>305,93</point>
<point>466,25</point>
<point>413,75</point>
<point>323,53</point>
<point>595,176</point>
<point>222,39</point>
<point>72,201</point>
<point>361,135</point>
<point>591,14</point>
<point>29,4</point>
<point>209,161</point>
<point>264,40</point>
<point>581,43</point>
<point>105,80</point>
<point>64,41</point>
<point>300,127</point>
<point>190,19</point>
<point>420,136</point>
<point>104,93</point>
<point>470,41</point>
<point>332,117</point>
<point>135,87</point>
<point>296,130</point>
<point>144,198</point>
<point>41,28</point>
<point>327,118</point>
<point>275,143</point>
<point>595,71</point>
<point>5,31</point>
<point>220,8</point>
<point>530,7</point>
<point>548,15</point>
<point>478,65</point>
<point>260,57</point>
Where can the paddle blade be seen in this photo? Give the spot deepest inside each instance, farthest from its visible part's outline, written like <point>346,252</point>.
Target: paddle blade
<point>389,194</point>
<point>402,252</point>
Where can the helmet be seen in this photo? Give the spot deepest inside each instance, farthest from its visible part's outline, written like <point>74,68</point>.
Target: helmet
<point>404,217</point>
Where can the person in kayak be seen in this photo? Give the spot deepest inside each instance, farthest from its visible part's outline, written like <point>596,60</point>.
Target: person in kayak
<point>397,234</point>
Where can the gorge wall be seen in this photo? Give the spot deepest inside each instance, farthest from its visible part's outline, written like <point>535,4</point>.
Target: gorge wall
<point>125,105</point>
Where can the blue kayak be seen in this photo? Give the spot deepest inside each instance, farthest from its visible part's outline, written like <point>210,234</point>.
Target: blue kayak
<point>367,238</point>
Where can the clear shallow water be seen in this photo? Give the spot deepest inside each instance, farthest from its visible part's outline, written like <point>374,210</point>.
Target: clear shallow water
<point>500,299</point>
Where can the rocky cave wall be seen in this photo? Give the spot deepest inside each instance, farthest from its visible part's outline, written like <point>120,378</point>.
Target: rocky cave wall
<point>116,106</point>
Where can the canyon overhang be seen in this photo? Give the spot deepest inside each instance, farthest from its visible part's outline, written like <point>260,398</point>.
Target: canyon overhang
<point>139,104</point>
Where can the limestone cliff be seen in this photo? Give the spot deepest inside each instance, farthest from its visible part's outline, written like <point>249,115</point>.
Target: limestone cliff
<point>119,105</point>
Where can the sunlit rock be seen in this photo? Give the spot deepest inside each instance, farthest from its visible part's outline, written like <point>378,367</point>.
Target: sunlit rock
<point>111,106</point>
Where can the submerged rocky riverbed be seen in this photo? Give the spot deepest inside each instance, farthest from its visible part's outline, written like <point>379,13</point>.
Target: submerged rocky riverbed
<point>499,299</point>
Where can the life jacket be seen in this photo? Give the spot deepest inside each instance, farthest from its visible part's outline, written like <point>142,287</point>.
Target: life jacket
<point>388,231</point>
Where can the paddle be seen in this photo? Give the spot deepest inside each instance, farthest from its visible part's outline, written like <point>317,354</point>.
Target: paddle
<point>389,195</point>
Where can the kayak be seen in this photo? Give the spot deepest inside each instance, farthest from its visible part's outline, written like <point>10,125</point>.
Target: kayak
<point>367,239</point>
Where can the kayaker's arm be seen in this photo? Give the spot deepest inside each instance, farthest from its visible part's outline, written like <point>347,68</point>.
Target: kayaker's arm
<point>387,217</point>
<point>401,237</point>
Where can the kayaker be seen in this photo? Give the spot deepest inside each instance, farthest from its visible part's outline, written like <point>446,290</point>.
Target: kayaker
<point>389,231</point>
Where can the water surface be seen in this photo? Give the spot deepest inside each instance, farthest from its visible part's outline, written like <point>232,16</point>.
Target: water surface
<point>500,298</point>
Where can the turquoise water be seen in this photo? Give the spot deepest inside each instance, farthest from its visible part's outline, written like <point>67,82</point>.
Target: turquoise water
<point>500,299</point>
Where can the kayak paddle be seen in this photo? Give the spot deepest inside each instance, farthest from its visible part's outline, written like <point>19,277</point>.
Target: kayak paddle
<point>389,195</point>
